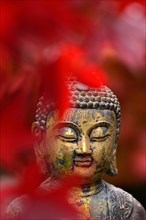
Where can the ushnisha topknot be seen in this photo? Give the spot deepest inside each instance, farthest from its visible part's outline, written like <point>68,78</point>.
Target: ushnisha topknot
<point>82,96</point>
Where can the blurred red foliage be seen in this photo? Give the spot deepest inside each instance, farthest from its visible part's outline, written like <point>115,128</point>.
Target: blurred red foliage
<point>42,203</point>
<point>123,4</point>
<point>42,21</point>
<point>43,42</point>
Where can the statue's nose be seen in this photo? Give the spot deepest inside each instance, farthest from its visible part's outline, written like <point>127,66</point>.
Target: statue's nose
<point>83,147</point>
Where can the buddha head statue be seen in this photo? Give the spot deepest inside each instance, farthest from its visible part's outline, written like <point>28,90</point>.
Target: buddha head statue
<point>84,140</point>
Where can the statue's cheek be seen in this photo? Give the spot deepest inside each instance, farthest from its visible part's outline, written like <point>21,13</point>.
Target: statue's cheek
<point>103,148</point>
<point>99,155</point>
<point>63,158</point>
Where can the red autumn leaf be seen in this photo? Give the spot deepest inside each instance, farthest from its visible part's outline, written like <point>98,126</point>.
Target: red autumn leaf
<point>71,62</point>
<point>74,60</point>
<point>42,202</point>
<point>15,136</point>
<point>125,3</point>
<point>8,20</point>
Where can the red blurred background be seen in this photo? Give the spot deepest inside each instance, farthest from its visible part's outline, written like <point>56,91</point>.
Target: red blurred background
<point>43,41</point>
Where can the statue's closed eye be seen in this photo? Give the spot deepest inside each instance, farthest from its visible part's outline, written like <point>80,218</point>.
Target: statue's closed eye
<point>99,134</point>
<point>67,134</point>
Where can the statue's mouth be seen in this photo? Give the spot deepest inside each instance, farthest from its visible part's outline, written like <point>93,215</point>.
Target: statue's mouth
<point>83,161</point>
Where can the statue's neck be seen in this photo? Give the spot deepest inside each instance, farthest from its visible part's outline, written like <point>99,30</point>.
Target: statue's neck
<point>89,189</point>
<point>83,190</point>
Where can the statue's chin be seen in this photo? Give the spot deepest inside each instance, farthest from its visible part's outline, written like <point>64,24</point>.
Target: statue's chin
<point>85,173</point>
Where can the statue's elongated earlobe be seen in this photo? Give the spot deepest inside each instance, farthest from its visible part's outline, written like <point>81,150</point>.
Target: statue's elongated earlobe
<point>39,146</point>
<point>112,171</point>
<point>37,132</point>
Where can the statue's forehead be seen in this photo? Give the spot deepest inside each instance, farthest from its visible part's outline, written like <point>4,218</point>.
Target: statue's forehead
<point>81,116</point>
<point>70,113</point>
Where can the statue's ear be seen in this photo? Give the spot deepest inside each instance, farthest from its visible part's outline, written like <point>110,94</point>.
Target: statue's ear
<point>39,146</point>
<point>112,171</point>
<point>37,132</point>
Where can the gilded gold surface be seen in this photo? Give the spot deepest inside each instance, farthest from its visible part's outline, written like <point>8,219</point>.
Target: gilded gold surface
<point>82,143</point>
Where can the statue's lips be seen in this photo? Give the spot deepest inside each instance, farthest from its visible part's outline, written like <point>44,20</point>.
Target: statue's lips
<point>83,162</point>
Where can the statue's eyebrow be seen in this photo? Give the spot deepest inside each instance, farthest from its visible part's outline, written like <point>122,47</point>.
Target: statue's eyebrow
<point>66,124</point>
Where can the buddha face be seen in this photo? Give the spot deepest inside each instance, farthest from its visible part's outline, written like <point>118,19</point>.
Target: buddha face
<point>82,143</point>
